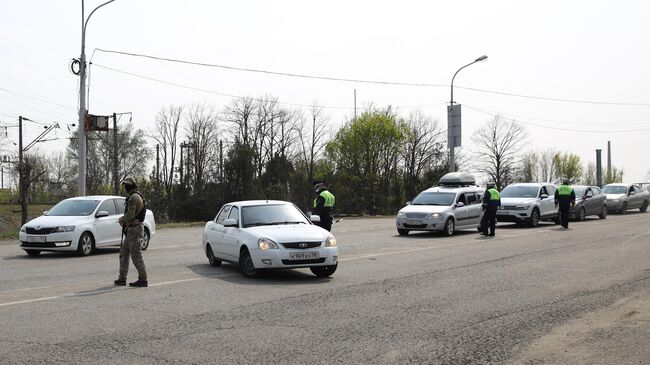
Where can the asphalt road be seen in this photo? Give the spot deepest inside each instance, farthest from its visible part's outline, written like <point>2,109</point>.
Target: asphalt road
<point>533,296</point>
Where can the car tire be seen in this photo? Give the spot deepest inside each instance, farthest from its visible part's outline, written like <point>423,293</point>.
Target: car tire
<point>144,244</point>
<point>33,252</point>
<point>624,208</point>
<point>86,245</point>
<point>534,218</point>
<point>246,264</point>
<point>403,232</point>
<point>449,227</point>
<point>323,271</point>
<point>603,213</point>
<point>644,207</point>
<point>211,258</point>
<point>581,214</point>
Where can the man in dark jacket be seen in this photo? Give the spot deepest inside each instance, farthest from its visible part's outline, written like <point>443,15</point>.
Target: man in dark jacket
<point>491,202</point>
<point>132,228</point>
<point>323,205</point>
<point>565,197</point>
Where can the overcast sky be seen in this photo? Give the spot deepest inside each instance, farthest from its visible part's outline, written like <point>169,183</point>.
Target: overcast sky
<point>591,51</point>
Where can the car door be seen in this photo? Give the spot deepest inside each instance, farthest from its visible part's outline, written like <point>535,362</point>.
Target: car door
<point>547,204</point>
<point>214,232</point>
<point>474,209</point>
<point>600,198</point>
<point>588,202</point>
<point>107,229</point>
<point>638,197</point>
<point>231,235</point>
<point>461,212</point>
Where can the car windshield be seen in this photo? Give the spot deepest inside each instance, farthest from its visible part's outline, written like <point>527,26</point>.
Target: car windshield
<point>274,214</point>
<point>519,191</point>
<point>614,189</point>
<point>445,199</point>
<point>74,207</point>
<point>579,191</point>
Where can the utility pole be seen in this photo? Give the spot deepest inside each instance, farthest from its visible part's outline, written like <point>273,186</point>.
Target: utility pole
<point>116,187</point>
<point>21,174</point>
<point>599,169</point>
<point>180,166</point>
<point>221,161</point>
<point>609,161</point>
<point>157,167</point>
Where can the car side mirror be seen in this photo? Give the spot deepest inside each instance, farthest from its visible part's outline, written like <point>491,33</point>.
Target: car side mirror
<point>45,212</point>
<point>408,202</point>
<point>543,196</point>
<point>230,222</point>
<point>101,213</point>
<point>460,204</point>
<point>314,218</point>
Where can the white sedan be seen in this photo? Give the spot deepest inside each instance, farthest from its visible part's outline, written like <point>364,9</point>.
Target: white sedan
<point>268,234</point>
<point>80,224</point>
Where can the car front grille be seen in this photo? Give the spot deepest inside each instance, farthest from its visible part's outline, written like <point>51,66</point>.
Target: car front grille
<point>32,230</point>
<point>406,225</point>
<point>37,244</point>
<point>508,207</point>
<point>300,245</point>
<point>303,262</point>
<point>416,215</point>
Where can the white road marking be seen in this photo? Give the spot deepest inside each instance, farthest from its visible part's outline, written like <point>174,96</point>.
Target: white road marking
<point>28,301</point>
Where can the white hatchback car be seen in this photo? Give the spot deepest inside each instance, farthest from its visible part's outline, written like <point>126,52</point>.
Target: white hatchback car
<point>268,234</point>
<point>80,224</point>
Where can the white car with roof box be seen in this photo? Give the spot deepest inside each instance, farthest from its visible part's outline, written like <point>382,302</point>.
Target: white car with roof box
<point>454,204</point>
<point>80,224</point>
<point>528,203</point>
<point>269,234</point>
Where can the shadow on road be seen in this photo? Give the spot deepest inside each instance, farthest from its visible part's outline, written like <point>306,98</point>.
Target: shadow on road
<point>45,255</point>
<point>231,273</point>
<point>436,235</point>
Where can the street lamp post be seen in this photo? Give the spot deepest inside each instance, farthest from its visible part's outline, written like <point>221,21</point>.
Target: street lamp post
<point>82,99</point>
<point>454,120</point>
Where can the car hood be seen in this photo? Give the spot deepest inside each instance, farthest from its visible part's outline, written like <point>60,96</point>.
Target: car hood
<point>615,196</point>
<point>517,201</point>
<point>425,208</point>
<point>54,221</point>
<point>290,232</point>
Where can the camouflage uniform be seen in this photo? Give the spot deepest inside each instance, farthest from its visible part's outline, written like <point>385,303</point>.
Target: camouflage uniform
<point>134,232</point>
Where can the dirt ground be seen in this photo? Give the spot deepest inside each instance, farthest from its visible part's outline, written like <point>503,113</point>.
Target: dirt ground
<point>619,334</point>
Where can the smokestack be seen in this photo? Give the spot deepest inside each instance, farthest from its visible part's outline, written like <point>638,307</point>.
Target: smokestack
<point>609,159</point>
<point>599,169</point>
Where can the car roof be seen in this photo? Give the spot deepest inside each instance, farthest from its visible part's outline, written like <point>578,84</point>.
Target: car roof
<point>95,197</point>
<point>529,184</point>
<point>246,203</point>
<point>618,184</point>
<point>585,186</point>
<point>453,189</point>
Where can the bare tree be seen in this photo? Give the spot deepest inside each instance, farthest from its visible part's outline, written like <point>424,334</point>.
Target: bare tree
<point>312,136</point>
<point>166,136</point>
<point>423,149</point>
<point>529,170</point>
<point>499,143</point>
<point>203,129</point>
<point>547,166</point>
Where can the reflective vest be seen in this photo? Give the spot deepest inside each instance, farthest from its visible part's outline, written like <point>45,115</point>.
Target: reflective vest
<point>329,199</point>
<point>494,194</point>
<point>564,190</point>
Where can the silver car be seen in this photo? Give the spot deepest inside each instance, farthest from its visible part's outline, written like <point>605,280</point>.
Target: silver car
<point>622,197</point>
<point>590,200</point>
<point>528,203</point>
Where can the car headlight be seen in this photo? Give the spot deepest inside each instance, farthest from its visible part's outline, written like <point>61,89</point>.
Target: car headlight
<point>434,215</point>
<point>266,244</point>
<point>522,207</point>
<point>330,241</point>
<point>22,229</point>
<point>400,215</point>
<point>63,229</point>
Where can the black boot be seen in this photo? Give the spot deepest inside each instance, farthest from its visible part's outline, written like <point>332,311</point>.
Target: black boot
<point>120,282</point>
<point>139,283</point>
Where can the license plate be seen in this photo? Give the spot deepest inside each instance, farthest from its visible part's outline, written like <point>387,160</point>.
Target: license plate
<point>502,212</point>
<point>303,255</point>
<point>413,223</point>
<point>40,239</point>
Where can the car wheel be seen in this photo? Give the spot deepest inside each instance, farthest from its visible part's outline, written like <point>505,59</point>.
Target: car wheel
<point>402,232</point>
<point>581,214</point>
<point>86,245</point>
<point>603,213</point>
<point>534,218</point>
<point>33,252</point>
<point>644,207</point>
<point>246,264</point>
<point>213,260</point>
<point>323,271</point>
<point>624,208</point>
<point>449,227</point>
<point>145,240</point>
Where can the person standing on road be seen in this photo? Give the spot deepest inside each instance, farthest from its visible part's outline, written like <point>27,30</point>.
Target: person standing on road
<point>491,202</point>
<point>132,228</point>
<point>565,197</point>
<point>323,205</point>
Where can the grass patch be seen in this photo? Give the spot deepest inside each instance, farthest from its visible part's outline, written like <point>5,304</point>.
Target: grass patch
<point>10,218</point>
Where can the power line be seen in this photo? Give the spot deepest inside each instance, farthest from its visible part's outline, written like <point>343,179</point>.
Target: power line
<point>38,99</point>
<point>380,82</point>
<point>558,128</point>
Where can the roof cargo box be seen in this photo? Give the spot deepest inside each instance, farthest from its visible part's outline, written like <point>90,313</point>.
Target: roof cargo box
<point>458,179</point>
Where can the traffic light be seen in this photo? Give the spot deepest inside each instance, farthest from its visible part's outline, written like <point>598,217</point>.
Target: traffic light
<point>97,122</point>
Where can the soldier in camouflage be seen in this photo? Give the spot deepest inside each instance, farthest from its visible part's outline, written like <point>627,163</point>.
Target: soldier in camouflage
<point>132,228</point>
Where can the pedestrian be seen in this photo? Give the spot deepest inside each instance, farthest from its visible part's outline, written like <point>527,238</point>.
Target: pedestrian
<point>565,197</point>
<point>491,203</point>
<point>131,222</point>
<point>323,205</point>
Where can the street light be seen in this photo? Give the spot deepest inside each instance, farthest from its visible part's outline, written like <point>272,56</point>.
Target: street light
<point>82,99</point>
<point>454,120</point>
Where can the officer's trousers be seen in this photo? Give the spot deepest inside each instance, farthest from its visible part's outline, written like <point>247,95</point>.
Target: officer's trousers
<point>489,220</point>
<point>564,214</point>
<point>132,247</point>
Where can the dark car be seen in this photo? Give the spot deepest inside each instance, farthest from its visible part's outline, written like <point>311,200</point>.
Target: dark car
<point>590,200</point>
